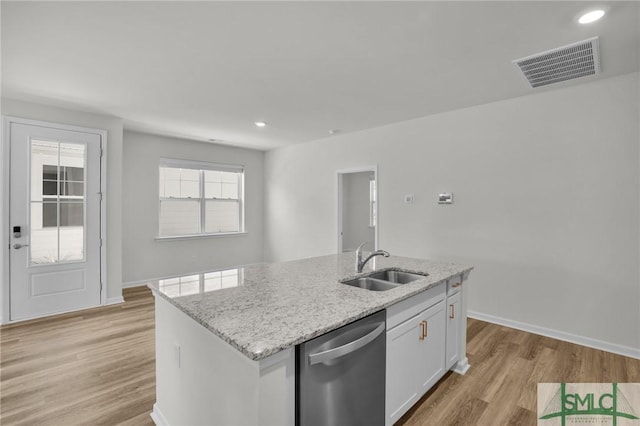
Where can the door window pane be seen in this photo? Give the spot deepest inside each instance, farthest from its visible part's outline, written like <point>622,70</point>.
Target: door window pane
<point>72,189</point>
<point>49,214</point>
<point>57,202</point>
<point>50,172</point>
<point>49,187</point>
<point>44,169</point>
<point>43,241</point>
<point>72,214</point>
<point>72,173</point>
<point>71,243</point>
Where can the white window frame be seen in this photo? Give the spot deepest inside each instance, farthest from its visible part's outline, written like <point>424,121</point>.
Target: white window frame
<point>203,166</point>
<point>373,203</point>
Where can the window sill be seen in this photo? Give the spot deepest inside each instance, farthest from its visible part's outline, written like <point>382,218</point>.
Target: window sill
<point>199,236</point>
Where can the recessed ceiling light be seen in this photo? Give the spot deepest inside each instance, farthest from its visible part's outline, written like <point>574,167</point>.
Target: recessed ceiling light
<point>334,131</point>
<point>212,140</point>
<point>260,123</point>
<point>592,16</point>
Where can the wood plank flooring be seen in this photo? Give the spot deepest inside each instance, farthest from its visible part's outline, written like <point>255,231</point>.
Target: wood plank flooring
<point>93,367</point>
<point>97,367</point>
<point>500,388</point>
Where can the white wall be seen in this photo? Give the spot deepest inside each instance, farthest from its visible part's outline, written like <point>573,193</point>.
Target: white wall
<point>355,211</point>
<point>113,126</point>
<point>546,191</point>
<point>144,256</point>
<point>638,262</point>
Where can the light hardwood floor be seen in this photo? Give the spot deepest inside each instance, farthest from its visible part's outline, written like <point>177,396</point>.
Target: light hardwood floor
<point>97,367</point>
<point>94,367</point>
<point>500,388</point>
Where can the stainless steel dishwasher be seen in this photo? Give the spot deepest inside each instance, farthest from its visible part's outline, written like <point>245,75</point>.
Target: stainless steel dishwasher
<point>341,375</point>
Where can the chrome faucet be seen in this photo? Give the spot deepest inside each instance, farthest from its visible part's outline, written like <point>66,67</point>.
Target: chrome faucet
<point>360,263</point>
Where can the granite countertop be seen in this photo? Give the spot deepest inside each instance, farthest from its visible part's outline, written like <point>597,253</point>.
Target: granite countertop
<point>269,307</point>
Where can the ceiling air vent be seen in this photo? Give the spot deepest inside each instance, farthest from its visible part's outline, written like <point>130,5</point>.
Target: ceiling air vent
<point>575,60</point>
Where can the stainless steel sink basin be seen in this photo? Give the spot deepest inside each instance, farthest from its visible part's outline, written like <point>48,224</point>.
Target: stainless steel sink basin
<point>371,284</point>
<point>396,277</point>
<point>383,280</point>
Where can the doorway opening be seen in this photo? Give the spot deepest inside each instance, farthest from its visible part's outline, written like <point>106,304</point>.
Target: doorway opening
<point>357,208</point>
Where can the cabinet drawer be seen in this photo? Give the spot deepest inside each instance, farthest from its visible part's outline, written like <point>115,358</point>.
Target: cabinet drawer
<point>454,285</point>
<point>402,311</point>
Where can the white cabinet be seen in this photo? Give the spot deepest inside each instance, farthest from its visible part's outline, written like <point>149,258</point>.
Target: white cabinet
<point>431,361</point>
<point>454,323</point>
<point>426,336</point>
<point>403,349</point>
<point>415,350</point>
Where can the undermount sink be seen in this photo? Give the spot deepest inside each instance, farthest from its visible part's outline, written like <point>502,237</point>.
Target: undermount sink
<point>397,277</point>
<point>371,284</point>
<point>383,280</point>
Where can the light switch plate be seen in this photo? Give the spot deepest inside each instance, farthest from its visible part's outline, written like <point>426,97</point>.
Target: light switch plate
<point>408,198</point>
<point>445,198</point>
<point>176,354</point>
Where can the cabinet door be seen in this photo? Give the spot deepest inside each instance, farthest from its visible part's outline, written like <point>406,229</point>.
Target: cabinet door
<point>431,347</point>
<point>454,316</point>
<point>403,346</point>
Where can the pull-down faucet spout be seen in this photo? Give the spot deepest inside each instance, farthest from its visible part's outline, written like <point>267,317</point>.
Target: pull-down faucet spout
<point>360,263</point>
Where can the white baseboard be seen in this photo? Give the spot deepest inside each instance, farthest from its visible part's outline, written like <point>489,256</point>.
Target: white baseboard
<point>136,284</point>
<point>560,335</point>
<point>114,300</point>
<point>157,416</point>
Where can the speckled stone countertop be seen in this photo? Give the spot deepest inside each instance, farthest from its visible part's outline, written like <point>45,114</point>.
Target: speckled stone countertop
<point>273,306</point>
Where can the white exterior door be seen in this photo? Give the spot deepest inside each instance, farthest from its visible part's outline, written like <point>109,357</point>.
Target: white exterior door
<point>54,212</point>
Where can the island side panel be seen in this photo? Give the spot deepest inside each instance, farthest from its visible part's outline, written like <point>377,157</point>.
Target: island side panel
<point>202,380</point>
<point>277,389</point>
<point>462,366</point>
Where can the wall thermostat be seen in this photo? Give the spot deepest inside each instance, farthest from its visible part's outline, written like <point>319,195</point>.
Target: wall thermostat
<point>445,198</point>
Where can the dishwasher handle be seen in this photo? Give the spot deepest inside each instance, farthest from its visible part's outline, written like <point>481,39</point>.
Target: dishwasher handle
<point>353,346</point>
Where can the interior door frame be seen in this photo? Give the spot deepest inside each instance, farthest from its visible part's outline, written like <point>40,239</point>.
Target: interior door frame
<point>339,181</point>
<point>5,237</point>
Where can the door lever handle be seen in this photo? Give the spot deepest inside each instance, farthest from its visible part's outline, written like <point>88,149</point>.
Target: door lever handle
<point>18,246</point>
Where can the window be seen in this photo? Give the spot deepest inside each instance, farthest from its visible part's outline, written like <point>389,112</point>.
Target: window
<point>199,198</point>
<point>372,202</point>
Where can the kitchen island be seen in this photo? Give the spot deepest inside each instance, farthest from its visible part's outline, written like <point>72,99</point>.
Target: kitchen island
<point>226,355</point>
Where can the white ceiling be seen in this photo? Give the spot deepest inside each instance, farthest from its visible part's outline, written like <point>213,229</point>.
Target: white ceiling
<point>206,70</point>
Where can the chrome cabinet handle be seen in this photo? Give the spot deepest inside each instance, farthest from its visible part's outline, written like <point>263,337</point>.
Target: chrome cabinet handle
<point>18,246</point>
<point>353,346</point>
<point>452,315</point>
